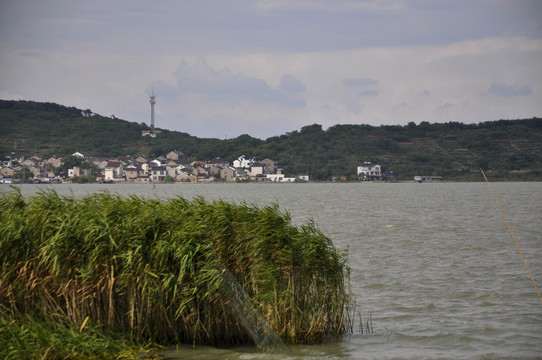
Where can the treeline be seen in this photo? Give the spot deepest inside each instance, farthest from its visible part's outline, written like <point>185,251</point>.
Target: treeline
<point>508,149</point>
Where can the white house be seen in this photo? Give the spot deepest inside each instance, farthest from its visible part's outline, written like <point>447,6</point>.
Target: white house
<point>159,162</point>
<point>369,171</point>
<point>244,161</point>
<point>7,162</point>
<point>279,178</point>
<point>81,155</point>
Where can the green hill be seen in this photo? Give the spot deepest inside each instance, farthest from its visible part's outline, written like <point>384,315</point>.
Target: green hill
<point>508,149</point>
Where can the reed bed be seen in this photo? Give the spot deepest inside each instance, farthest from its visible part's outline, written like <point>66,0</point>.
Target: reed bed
<point>30,338</point>
<point>151,269</point>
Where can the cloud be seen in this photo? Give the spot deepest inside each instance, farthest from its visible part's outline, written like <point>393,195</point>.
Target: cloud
<point>425,93</point>
<point>446,106</point>
<point>502,89</point>
<point>231,88</point>
<point>291,84</point>
<point>368,93</point>
<point>204,79</point>
<point>362,81</point>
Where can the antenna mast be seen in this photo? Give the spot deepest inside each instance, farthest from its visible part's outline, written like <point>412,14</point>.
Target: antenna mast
<point>153,101</point>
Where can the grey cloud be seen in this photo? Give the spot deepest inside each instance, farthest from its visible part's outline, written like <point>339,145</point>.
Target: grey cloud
<point>164,89</point>
<point>446,106</point>
<point>290,83</point>
<point>198,27</point>
<point>363,81</point>
<point>225,86</point>
<point>502,89</point>
<point>368,93</point>
<point>425,93</point>
<point>293,102</point>
<point>202,78</point>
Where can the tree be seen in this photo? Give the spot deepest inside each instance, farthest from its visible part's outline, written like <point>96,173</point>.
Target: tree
<point>68,162</point>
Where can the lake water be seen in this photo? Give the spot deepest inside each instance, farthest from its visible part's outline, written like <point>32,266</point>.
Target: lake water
<point>434,264</point>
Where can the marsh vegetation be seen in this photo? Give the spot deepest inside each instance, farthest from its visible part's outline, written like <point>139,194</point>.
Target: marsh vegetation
<point>150,269</point>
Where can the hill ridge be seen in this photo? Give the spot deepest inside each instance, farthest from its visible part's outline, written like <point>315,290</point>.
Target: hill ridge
<point>508,149</point>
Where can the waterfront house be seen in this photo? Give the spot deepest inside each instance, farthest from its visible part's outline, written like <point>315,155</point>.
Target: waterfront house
<point>423,178</point>
<point>270,165</point>
<point>215,169</point>
<point>143,179</point>
<point>114,171</point>
<point>75,171</point>
<point>133,172</point>
<point>183,175</point>
<point>158,173</point>
<point>369,171</point>
<point>228,173</point>
<point>256,170</point>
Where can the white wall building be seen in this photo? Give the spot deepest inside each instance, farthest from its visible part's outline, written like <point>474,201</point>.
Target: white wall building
<point>369,171</point>
<point>244,161</point>
<point>279,178</point>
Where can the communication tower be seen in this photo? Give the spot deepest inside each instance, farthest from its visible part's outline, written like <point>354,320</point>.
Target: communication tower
<point>152,132</point>
<point>153,101</point>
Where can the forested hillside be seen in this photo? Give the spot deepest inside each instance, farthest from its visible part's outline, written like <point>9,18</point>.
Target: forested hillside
<point>508,149</point>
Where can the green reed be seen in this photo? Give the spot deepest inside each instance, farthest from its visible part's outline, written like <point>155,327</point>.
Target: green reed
<point>30,338</point>
<point>150,268</point>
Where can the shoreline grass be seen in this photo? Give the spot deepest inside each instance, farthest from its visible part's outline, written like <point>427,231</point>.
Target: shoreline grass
<point>149,268</point>
<point>26,337</point>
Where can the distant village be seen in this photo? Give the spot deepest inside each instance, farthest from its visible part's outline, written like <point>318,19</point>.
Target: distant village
<point>172,167</point>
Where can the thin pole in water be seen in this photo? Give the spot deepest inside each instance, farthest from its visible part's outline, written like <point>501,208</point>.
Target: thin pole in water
<point>513,237</point>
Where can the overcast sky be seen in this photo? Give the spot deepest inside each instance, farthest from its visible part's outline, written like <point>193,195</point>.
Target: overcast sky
<point>266,67</point>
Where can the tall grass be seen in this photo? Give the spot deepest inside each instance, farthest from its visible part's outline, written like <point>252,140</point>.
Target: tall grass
<point>151,268</point>
<point>30,338</point>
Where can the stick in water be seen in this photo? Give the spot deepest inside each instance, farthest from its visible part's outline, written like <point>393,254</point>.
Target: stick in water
<point>513,237</point>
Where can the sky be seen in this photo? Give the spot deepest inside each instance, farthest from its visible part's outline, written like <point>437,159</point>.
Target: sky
<point>221,69</point>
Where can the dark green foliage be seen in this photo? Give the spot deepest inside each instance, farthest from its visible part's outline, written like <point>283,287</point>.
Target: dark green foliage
<point>507,148</point>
